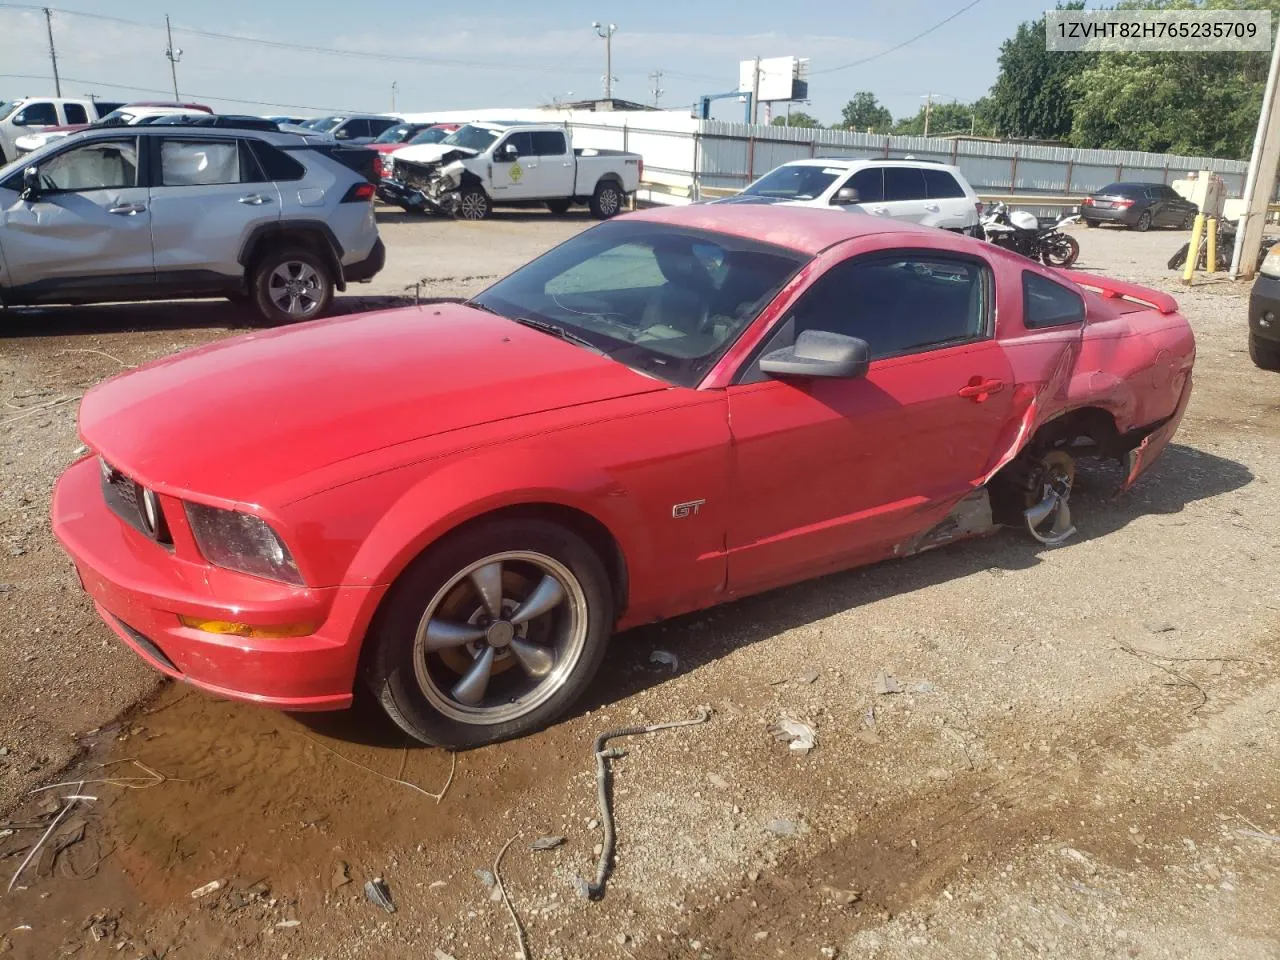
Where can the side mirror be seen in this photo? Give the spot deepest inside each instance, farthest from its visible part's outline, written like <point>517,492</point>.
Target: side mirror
<point>343,134</point>
<point>509,152</point>
<point>30,183</point>
<point>819,353</point>
<point>845,196</point>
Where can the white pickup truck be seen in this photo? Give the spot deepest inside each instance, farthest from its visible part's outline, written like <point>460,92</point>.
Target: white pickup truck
<point>28,115</point>
<point>483,165</point>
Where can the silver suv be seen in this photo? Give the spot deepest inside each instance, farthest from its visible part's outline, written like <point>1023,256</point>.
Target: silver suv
<point>161,213</point>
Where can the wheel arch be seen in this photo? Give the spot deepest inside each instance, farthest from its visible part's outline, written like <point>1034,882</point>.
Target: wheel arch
<point>314,236</point>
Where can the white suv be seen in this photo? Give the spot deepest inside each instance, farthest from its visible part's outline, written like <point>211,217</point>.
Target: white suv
<point>915,191</point>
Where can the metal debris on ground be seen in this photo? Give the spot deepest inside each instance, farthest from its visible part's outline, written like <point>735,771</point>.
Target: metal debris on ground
<point>666,659</point>
<point>377,893</point>
<point>213,886</point>
<point>887,683</point>
<point>594,890</point>
<point>800,737</point>
<point>546,843</point>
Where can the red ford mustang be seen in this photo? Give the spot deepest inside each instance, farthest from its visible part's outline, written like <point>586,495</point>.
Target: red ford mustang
<point>458,504</point>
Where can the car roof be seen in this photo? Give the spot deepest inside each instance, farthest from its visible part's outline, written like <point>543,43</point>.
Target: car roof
<point>803,229</point>
<point>848,163</point>
<point>279,139</point>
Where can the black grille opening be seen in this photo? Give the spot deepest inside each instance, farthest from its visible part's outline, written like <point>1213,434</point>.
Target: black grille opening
<point>153,651</point>
<point>124,496</point>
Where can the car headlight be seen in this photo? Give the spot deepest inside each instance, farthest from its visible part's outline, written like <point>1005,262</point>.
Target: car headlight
<point>1271,263</point>
<point>241,541</point>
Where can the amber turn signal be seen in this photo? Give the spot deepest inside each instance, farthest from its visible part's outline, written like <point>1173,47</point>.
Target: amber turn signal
<point>232,629</point>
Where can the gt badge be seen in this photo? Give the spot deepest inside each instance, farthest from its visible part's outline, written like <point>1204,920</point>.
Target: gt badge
<point>682,510</point>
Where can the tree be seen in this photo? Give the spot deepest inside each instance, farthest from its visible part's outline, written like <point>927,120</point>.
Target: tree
<point>797,118</point>
<point>1030,97</point>
<point>948,118</point>
<point>864,112</point>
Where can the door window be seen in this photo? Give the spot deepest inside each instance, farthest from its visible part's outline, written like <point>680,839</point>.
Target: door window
<point>102,165</point>
<point>870,185</point>
<point>37,115</point>
<point>75,113</point>
<point>1049,304</point>
<point>523,142</point>
<point>190,163</point>
<point>548,143</point>
<point>378,127</point>
<point>898,303</point>
<point>903,183</point>
<point>940,185</point>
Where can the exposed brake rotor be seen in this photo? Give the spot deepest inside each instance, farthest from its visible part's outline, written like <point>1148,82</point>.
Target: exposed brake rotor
<point>1048,503</point>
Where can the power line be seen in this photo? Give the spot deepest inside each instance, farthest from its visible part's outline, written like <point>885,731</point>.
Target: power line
<point>198,96</point>
<point>909,40</point>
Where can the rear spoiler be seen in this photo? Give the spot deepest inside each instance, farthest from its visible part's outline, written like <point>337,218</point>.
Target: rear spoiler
<point>1112,289</point>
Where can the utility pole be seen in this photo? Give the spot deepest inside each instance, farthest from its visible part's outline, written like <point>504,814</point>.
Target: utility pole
<point>656,77</point>
<point>928,109</point>
<point>53,54</point>
<point>606,34</point>
<point>1261,180</point>
<point>394,85</point>
<point>174,56</point>
<point>755,93</point>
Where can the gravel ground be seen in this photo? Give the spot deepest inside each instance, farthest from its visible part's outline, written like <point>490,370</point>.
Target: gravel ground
<point>1079,760</point>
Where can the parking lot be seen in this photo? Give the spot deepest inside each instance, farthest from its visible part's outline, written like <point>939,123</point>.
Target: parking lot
<point>1020,750</point>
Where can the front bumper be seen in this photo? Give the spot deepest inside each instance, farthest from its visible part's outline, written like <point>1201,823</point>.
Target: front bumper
<point>1264,308</point>
<point>140,588</point>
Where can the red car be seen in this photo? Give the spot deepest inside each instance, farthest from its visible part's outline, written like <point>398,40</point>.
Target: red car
<point>458,504</point>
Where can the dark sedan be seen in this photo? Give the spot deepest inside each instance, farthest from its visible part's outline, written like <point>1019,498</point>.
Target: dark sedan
<point>1139,206</point>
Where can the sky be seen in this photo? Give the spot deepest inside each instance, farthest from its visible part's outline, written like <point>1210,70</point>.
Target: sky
<point>503,54</point>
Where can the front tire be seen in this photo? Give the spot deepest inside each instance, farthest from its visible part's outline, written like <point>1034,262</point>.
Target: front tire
<point>473,204</point>
<point>291,285</point>
<point>1265,354</point>
<point>1064,252</point>
<point>491,634</point>
<point>606,202</point>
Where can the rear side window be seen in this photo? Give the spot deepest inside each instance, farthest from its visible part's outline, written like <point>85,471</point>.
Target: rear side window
<point>37,115</point>
<point>191,163</point>
<point>869,183</point>
<point>548,143</point>
<point>1049,304</point>
<point>940,185</point>
<point>379,127</point>
<point>903,183</point>
<point>75,112</point>
<point>276,164</point>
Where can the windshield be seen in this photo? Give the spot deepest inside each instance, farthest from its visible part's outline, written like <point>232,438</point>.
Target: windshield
<point>397,134</point>
<point>794,182</point>
<point>662,299</point>
<point>430,135</point>
<point>325,124</point>
<point>8,107</point>
<point>116,118</point>
<point>472,138</point>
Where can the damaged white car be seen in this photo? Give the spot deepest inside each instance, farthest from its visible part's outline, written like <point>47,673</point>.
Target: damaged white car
<point>483,165</point>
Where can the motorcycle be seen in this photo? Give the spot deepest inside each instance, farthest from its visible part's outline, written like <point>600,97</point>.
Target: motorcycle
<point>1021,232</point>
<point>1225,249</point>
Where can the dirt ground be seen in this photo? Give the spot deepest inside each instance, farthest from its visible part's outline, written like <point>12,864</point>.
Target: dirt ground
<point>1079,760</point>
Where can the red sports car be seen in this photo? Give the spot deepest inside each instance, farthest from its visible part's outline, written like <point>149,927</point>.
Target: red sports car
<point>458,504</point>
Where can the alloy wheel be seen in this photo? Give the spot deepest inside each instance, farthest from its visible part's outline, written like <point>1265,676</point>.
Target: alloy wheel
<point>296,288</point>
<point>500,638</point>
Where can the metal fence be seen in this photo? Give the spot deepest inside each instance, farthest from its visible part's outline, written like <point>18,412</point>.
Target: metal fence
<point>711,157</point>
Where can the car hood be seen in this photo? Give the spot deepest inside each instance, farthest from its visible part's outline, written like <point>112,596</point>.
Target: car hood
<point>237,419</point>
<point>432,152</point>
<point>750,199</point>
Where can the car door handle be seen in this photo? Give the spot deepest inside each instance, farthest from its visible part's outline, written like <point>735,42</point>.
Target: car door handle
<point>932,207</point>
<point>881,211</point>
<point>979,388</point>
<point>127,209</point>
<point>255,199</point>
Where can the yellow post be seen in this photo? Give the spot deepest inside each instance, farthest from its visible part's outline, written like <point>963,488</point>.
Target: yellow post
<point>1212,226</point>
<point>1193,251</point>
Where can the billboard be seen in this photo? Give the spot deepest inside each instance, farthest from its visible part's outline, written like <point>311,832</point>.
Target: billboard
<point>781,78</point>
